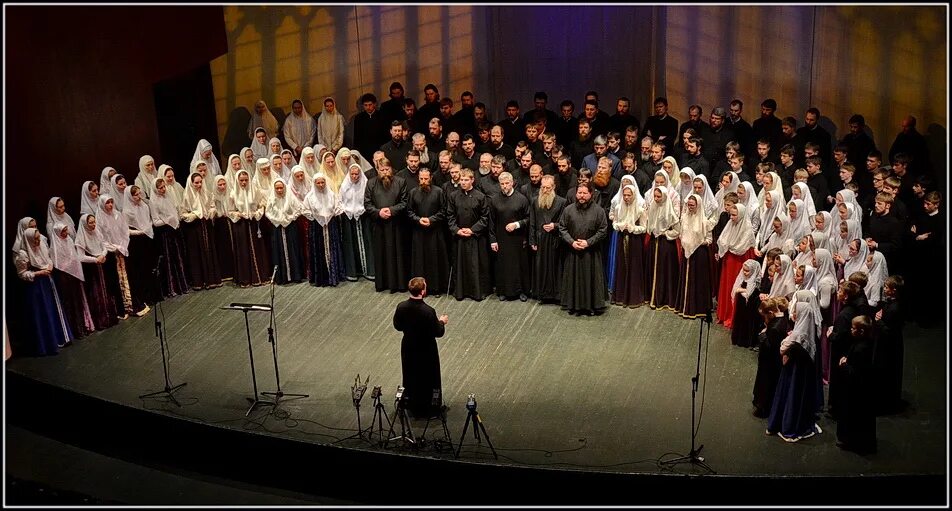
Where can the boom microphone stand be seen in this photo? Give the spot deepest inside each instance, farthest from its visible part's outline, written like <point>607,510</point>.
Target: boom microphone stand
<point>694,456</point>
<point>272,338</point>
<point>160,333</point>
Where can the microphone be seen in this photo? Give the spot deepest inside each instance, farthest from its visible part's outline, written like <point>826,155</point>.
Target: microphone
<point>158,264</point>
<point>274,273</point>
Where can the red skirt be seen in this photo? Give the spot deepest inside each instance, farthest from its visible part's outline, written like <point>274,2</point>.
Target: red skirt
<point>731,265</point>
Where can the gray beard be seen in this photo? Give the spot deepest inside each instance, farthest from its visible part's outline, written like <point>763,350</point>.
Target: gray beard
<point>546,200</point>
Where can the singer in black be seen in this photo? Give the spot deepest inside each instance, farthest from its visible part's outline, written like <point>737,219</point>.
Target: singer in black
<point>418,352</point>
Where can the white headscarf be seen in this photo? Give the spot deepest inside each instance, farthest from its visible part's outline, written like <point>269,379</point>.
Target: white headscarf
<point>661,217</point>
<point>265,120</point>
<point>800,226</point>
<point>355,156</point>
<point>309,169</point>
<point>848,197</point>
<point>852,213</point>
<point>737,236</point>
<point>63,251</point>
<point>778,208</point>
<point>825,267</point>
<point>213,167</point>
<point>38,256</point>
<point>90,242</point>
<point>250,167</point>
<point>783,284</point>
<point>260,150</point>
<point>284,173</point>
<point>806,328</point>
<point>175,190</point>
<point>164,207</point>
<point>22,226</point>
<point>230,173</point>
<point>777,186</point>
<point>138,216</point>
<point>335,175</point>
<point>52,218</point>
<point>810,282</point>
<point>673,197</point>
<point>195,201</point>
<point>222,199</point>
<point>300,189</point>
<point>731,187</point>
<point>105,180</point>
<point>146,179</point>
<point>684,189</point>
<point>271,151</point>
<point>827,225</point>
<point>709,202</point>
<point>283,210</point>
<point>298,130</point>
<point>245,200</point>
<point>629,215</point>
<point>86,200</point>
<point>262,182</point>
<point>694,227</point>
<point>118,197</point>
<point>352,194</point>
<point>112,226</point>
<point>330,127</point>
<point>807,197</point>
<point>752,282</point>
<point>774,240</point>
<point>876,278</point>
<point>323,205</point>
<point>293,159</point>
<point>627,179</point>
<point>752,204</point>
<point>856,263</point>
<point>841,246</point>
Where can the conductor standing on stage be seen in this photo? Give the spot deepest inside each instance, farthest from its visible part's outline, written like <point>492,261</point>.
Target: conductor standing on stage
<point>418,351</point>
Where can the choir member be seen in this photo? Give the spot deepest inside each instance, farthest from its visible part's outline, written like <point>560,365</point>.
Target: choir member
<point>259,143</point>
<point>115,234</point>
<point>826,297</point>
<point>426,211</point>
<point>848,294</point>
<point>282,210</point>
<point>734,246</point>
<point>508,218</point>
<point>299,128</point>
<point>252,257</point>
<point>147,175</point>
<point>175,189</point>
<point>223,227</point>
<point>68,277</point>
<point>169,240</point>
<point>856,422</point>
<point>746,321</point>
<point>196,212</point>
<point>783,282</point>
<point>468,219</point>
<point>747,197</point>
<point>56,213</point>
<point>105,179</point>
<point>47,319</point>
<point>356,227</point>
<point>92,253</point>
<point>335,176</point>
<point>309,164</point>
<point>142,251</point>
<point>323,208</point>
<point>248,160</point>
<point>262,119</point>
<point>546,243</point>
<point>89,198</point>
<point>204,153</point>
<point>662,266</point>
<point>773,313</point>
<point>695,282</point>
<point>889,353</point>
<point>613,206</point>
<point>584,226</point>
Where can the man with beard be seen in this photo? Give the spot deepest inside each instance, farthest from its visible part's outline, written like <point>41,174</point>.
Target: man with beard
<point>480,114</point>
<point>418,144</point>
<point>467,156</point>
<point>410,173</point>
<point>742,129</point>
<point>396,149</point>
<point>628,167</point>
<point>409,111</point>
<point>645,154</point>
<point>694,158</point>
<point>662,127</point>
<point>385,201</point>
<point>498,145</point>
<point>508,219</point>
<point>599,151</point>
<point>369,127</point>
<point>590,113</point>
<point>435,139</point>
<point>442,173</point>
<point>531,189</point>
<point>717,136</point>
<point>623,118</point>
<point>566,126</point>
<point>431,106</point>
<point>811,131</point>
<point>468,220</point>
<point>630,144</point>
<point>768,125</point>
<point>583,145</point>
<point>514,128</point>
<point>584,176</point>
<point>539,101</point>
<point>519,167</point>
<point>452,143</point>
<point>485,165</point>
<point>392,109</point>
<point>566,176</point>
<point>419,356</point>
<point>583,226</point>
<point>545,241</point>
<point>465,120</point>
<point>694,122</point>
<point>427,214</point>
<point>489,184</point>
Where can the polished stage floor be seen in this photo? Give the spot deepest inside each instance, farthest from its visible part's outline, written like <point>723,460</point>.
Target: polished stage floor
<point>609,393</point>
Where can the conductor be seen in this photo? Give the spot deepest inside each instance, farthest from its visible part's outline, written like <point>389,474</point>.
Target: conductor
<point>418,351</point>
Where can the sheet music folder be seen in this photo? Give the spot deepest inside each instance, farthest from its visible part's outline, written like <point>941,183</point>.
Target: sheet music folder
<point>248,306</point>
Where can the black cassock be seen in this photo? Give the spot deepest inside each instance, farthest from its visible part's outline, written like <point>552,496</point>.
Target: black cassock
<point>429,243</point>
<point>512,259</point>
<point>583,287</point>
<point>471,266</point>
<point>769,364</point>
<point>390,262</point>
<point>856,418</point>
<point>419,355</point>
<point>547,270</point>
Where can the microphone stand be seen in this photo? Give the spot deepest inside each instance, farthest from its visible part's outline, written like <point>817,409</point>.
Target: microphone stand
<point>160,333</point>
<point>273,339</point>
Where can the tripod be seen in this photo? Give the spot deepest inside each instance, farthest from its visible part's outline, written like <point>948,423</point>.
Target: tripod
<point>380,413</point>
<point>400,413</point>
<point>247,307</point>
<point>473,417</point>
<point>272,338</point>
<point>438,443</point>
<point>694,456</point>
<point>160,333</point>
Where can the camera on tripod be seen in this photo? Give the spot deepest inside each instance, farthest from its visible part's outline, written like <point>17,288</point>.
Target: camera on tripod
<point>399,395</point>
<point>471,402</point>
<point>376,392</point>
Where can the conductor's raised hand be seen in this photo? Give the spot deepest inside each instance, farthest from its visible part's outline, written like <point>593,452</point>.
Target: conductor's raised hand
<point>444,319</point>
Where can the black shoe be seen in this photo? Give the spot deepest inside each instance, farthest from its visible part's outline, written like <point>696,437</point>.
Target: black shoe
<point>523,297</point>
<point>437,296</point>
<point>502,298</point>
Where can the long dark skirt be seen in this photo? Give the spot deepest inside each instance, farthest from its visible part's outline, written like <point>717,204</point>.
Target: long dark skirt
<point>662,272</point>
<point>420,361</point>
<point>747,320</point>
<point>47,320</point>
<point>856,424</point>
<point>695,283</point>
<point>172,267</point>
<point>139,266</point>
<point>225,247</point>
<point>731,265</point>
<point>769,363</point>
<point>583,281</point>
<point>110,270</point>
<point>252,257</point>
<point>792,413</point>
<point>357,247</point>
<point>629,272</point>
<point>99,297</point>
<point>303,226</point>
<point>471,274</point>
<point>547,268</point>
<point>73,301</point>
<point>428,258</point>
<point>391,254</point>
<point>286,254</point>
<point>326,262</point>
<point>201,255</point>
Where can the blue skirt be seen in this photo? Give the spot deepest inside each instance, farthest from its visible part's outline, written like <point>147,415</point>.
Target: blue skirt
<point>792,413</point>
<point>46,317</point>
<point>612,247</point>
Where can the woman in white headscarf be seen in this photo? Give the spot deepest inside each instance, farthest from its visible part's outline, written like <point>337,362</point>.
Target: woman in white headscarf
<point>746,321</point>
<point>169,243</point>
<point>323,207</point>
<point>826,297</point>
<point>846,196</point>
<point>89,198</point>
<point>858,253</point>
<point>771,183</point>
<point>278,170</point>
<point>774,207</point>
<point>330,126</point>
<point>799,222</point>
<point>877,273</point>
<point>224,238</point>
<point>274,147</point>
<point>248,160</point>
<point>299,127</point>
<point>299,184</point>
<point>105,179</point>
<point>283,210</point>
<point>310,164</point>
<point>68,277</point>
<point>335,175</point>
<point>197,211</point>
<point>783,282</point>
<point>628,218</point>
<point>259,144</point>
<point>801,191</point>
<point>661,180</point>
<point>747,197</point>
<point>356,229</point>
<point>175,189</point>
<point>24,224</point>
<point>99,283</point>
<point>670,166</point>
<point>728,183</point>
<point>231,170</point>
<point>56,212</point>
<point>662,265</point>
<point>616,201</point>
<point>708,202</point>
<point>685,181</point>
<point>46,320</point>
<point>147,174</point>
<point>204,152</point>
<point>117,189</point>
<point>142,255</point>
<point>115,233</point>
<point>262,117</point>
<point>252,257</point>
<point>288,158</point>
<point>735,245</point>
<point>695,283</point>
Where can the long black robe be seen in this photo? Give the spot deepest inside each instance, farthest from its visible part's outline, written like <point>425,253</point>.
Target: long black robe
<point>629,286</point>
<point>511,266</point>
<point>252,255</point>
<point>139,266</point>
<point>888,357</point>
<point>583,286</point>
<point>840,340</point>
<point>429,243</point>
<point>201,254</point>
<point>225,246</point>
<point>547,266</point>
<point>419,356</point>
<point>470,209</point>
<point>856,423</point>
<point>286,252</point>
<point>769,363</point>
<point>390,262</point>
<point>172,274</point>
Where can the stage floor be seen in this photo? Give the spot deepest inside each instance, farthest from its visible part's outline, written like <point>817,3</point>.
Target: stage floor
<point>609,393</point>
